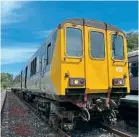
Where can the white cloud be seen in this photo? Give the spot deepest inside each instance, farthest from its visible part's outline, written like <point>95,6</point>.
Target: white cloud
<point>16,55</point>
<point>44,33</point>
<point>132,30</point>
<point>10,12</point>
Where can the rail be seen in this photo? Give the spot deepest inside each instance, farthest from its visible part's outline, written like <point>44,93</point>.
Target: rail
<point>115,131</point>
<point>61,133</point>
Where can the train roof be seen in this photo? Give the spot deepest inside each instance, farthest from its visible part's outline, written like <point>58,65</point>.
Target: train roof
<point>91,23</point>
<point>83,22</point>
<point>133,53</point>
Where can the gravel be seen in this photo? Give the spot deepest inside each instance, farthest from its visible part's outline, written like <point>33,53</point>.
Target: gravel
<point>19,121</point>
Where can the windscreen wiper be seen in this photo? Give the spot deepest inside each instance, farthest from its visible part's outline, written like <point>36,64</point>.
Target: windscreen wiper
<point>113,44</point>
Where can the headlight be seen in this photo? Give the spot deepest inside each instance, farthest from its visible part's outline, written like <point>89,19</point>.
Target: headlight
<point>118,82</point>
<point>76,81</point>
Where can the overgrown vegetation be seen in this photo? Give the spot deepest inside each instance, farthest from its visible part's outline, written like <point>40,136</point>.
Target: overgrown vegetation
<point>6,80</point>
<point>132,43</point>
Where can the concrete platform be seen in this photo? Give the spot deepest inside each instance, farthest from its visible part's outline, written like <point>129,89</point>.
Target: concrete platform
<point>128,108</point>
<point>3,95</point>
<point>130,100</point>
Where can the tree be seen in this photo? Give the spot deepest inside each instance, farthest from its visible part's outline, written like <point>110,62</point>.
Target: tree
<point>132,41</point>
<point>6,80</point>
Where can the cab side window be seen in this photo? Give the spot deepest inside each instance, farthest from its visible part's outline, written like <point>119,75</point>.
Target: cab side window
<point>49,55</point>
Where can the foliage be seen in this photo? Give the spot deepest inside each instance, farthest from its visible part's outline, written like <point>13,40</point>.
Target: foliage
<point>132,41</point>
<point>6,80</point>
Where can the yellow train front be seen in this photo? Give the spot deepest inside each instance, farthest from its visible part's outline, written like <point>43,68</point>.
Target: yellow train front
<point>88,71</point>
<point>90,59</point>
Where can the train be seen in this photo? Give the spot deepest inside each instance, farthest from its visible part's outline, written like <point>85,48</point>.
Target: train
<point>79,72</point>
<point>133,71</point>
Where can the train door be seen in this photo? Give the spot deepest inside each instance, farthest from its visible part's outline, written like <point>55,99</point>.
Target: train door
<point>73,56</point>
<point>96,63</point>
<point>21,79</point>
<point>41,70</point>
<point>117,61</point>
<point>45,67</point>
<point>26,72</point>
<point>133,73</point>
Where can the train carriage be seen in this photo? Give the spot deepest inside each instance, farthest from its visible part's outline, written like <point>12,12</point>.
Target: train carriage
<point>82,67</point>
<point>133,71</point>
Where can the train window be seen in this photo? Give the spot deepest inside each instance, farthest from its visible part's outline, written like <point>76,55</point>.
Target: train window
<point>22,75</point>
<point>117,47</point>
<point>74,42</point>
<point>49,57</point>
<point>33,67</point>
<point>134,69</point>
<point>97,44</point>
<point>54,36</point>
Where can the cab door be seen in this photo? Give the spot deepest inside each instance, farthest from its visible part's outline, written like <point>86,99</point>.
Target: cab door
<point>118,66</point>
<point>96,62</point>
<point>72,54</point>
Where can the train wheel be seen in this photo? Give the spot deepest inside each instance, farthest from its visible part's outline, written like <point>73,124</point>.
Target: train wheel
<point>109,117</point>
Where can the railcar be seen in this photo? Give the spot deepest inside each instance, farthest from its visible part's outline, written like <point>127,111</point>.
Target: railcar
<point>80,70</point>
<point>133,71</point>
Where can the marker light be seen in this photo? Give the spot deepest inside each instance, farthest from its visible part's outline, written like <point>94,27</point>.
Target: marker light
<point>118,82</point>
<point>76,82</point>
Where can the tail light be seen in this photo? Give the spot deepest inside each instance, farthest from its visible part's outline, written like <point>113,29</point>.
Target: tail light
<point>118,82</point>
<point>82,81</point>
<point>76,81</point>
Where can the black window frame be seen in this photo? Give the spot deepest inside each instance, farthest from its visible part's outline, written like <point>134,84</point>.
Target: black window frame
<point>49,55</point>
<point>33,68</point>
<point>91,31</point>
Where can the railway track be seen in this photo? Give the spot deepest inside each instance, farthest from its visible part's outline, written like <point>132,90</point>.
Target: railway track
<point>83,130</point>
<point>112,132</point>
<point>18,121</point>
<point>115,131</point>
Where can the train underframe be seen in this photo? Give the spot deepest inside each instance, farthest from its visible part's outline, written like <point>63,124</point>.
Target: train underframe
<point>64,113</point>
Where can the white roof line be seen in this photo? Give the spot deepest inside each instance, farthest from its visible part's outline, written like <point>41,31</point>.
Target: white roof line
<point>133,53</point>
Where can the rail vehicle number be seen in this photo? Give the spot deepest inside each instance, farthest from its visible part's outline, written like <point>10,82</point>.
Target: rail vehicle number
<point>119,69</point>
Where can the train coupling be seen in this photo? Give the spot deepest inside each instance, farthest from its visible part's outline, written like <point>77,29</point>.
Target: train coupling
<point>68,126</point>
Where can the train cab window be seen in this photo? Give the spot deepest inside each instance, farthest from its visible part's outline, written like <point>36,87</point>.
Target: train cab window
<point>49,57</point>
<point>54,36</point>
<point>97,44</point>
<point>74,42</point>
<point>117,47</point>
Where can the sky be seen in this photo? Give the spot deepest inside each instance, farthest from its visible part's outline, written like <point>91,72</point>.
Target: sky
<point>25,25</point>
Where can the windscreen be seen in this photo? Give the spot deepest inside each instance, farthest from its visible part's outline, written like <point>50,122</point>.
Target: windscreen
<point>74,42</point>
<point>117,47</point>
